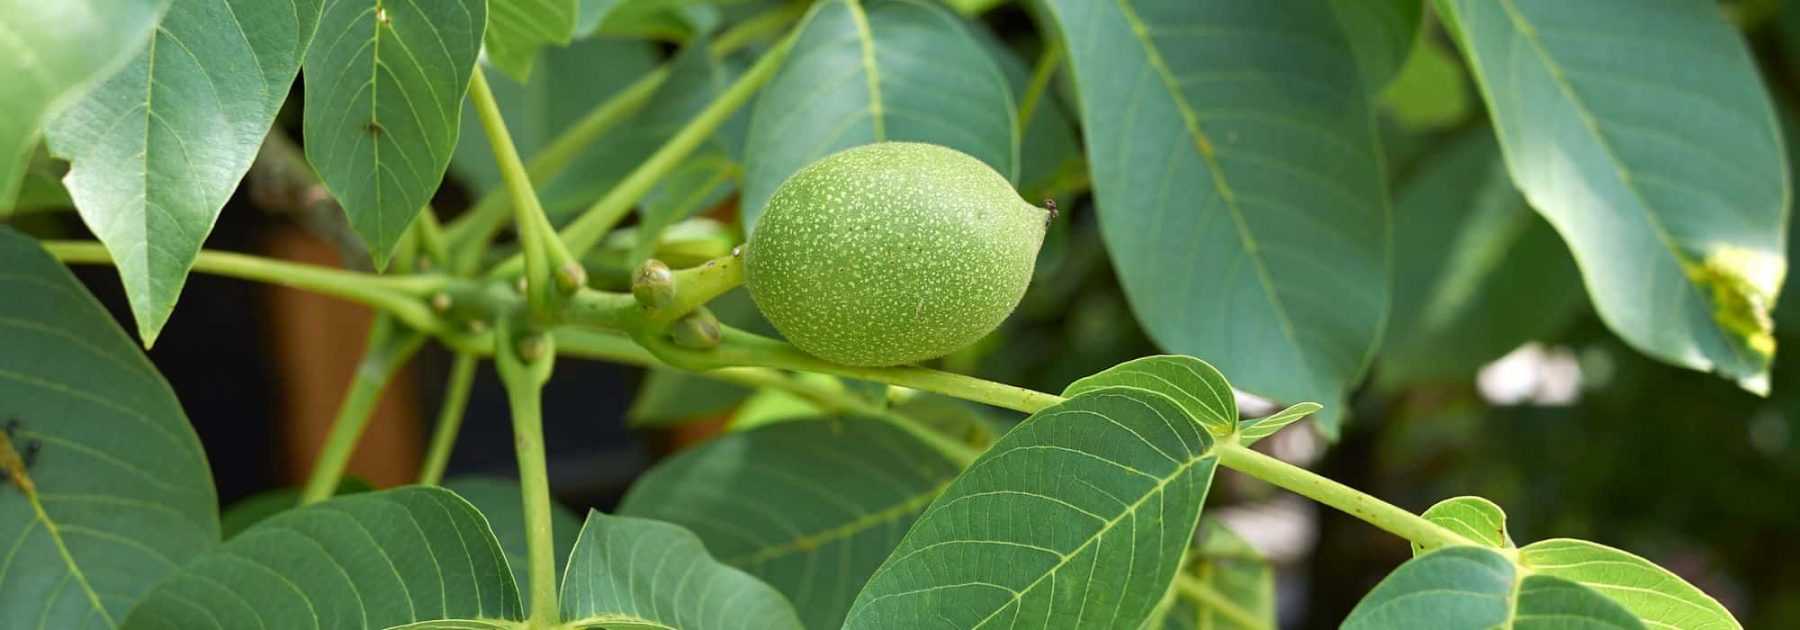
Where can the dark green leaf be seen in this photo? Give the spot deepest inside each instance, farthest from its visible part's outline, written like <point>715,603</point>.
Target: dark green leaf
<point>671,20</point>
<point>259,507</point>
<point>384,92</point>
<point>636,573</point>
<point>1199,388</point>
<point>897,70</point>
<point>517,29</point>
<point>1478,589</point>
<point>1381,34</point>
<point>1076,518</point>
<point>670,397</point>
<point>1653,148</point>
<point>1475,518</point>
<point>371,560</point>
<point>120,493</point>
<point>157,149</point>
<point>499,500</point>
<point>810,506</point>
<point>1477,273</point>
<point>1650,592</point>
<point>54,52</point>
<point>1048,150</point>
<point>566,84</point>
<point>1239,186</point>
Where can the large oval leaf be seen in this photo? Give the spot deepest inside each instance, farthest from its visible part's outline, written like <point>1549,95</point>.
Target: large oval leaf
<point>157,149</point>
<point>890,70</point>
<point>1076,518</point>
<point>1477,589</point>
<point>103,486</point>
<point>516,29</point>
<point>1641,131</point>
<point>52,52</point>
<point>636,573</point>
<point>1477,273</point>
<point>384,91</point>
<point>370,560</point>
<point>1196,385</point>
<point>1239,187</point>
<point>812,507</point>
<point>1650,592</point>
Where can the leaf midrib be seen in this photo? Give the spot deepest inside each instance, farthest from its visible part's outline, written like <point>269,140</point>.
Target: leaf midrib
<point>1203,145</point>
<point>19,477</point>
<point>807,542</point>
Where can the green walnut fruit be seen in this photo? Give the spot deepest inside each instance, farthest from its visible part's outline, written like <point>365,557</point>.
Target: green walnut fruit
<point>892,253</point>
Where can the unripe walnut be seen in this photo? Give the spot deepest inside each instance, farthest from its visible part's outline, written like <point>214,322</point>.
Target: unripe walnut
<point>892,253</point>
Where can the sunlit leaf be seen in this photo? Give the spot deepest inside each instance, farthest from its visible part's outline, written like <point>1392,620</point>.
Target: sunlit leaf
<point>810,506</point>
<point>1650,592</point>
<point>103,486</point>
<point>1194,384</point>
<point>1076,518</point>
<point>1474,588</point>
<point>637,573</point>
<point>157,149</point>
<point>54,51</point>
<point>1240,190</point>
<point>384,92</point>
<point>1249,431</point>
<point>517,29</point>
<point>1654,151</point>
<point>881,70</point>
<point>1475,518</point>
<point>370,560</point>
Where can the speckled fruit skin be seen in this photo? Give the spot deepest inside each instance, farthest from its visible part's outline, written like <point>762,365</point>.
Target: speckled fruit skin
<point>892,253</point>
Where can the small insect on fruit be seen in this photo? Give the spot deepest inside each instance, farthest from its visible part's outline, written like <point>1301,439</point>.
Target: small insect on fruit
<point>892,253</point>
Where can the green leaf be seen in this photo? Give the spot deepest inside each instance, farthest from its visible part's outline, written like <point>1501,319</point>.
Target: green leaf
<point>1381,35</point>
<point>1081,512</point>
<point>1475,588</point>
<point>1199,388</point>
<point>670,20</point>
<point>1048,149</point>
<point>1650,592</point>
<point>566,84</point>
<point>859,74</point>
<point>259,507</point>
<point>158,148</point>
<point>1249,431</point>
<point>636,573</point>
<point>103,486</point>
<point>669,397</point>
<point>1653,148</point>
<point>1431,92</point>
<point>811,507</point>
<point>499,500</point>
<point>53,52</point>
<point>1476,272</point>
<point>517,29</point>
<point>1238,585</point>
<point>384,92</point>
<point>1239,187</point>
<point>1475,518</point>
<point>371,560</point>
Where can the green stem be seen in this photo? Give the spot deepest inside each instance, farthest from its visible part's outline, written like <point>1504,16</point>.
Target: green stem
<point>585,232</point>
<point>1206,597</point>
<point>471,234</point>
<point>524,377</point>
<point>388,348</point>
<point>700,284</point>
<point>449,423</point>
<point>756,28</point>
<point>402,296</point>
<point>1344,498</point>
<point>544,252</point>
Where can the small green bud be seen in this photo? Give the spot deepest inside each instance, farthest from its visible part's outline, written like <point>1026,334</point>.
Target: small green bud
<point>571,277</point>
<point>533,347</point>
<point>441,302</point>
<point>653,284</point>
<point>698,330</point>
